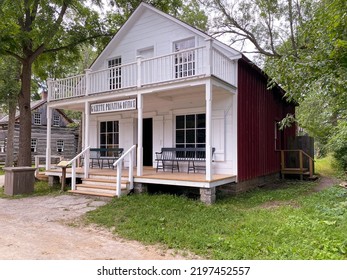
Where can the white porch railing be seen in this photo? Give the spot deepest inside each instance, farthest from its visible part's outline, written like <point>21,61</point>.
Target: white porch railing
<point>69,87</point>
<point>119,165</point>
<point>118,77</point>
<point>73,163</point>
<point>223,67</point>
<point>143,72</point>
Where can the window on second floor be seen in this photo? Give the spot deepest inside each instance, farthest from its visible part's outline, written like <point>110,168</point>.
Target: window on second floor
<point>184,61</point>
<point>115,73</point>
<point>37,118</point>
<point>56,120</point>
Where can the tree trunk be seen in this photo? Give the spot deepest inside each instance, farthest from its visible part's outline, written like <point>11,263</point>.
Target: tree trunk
<point>10,133</point>
<point>24,152</point>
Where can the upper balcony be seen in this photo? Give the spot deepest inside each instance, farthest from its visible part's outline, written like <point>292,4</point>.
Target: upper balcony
<point>173,67</point>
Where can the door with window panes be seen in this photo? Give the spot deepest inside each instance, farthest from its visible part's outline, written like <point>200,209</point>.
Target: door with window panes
<point>109,135</point>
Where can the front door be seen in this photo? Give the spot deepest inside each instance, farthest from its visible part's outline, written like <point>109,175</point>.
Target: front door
<point>147,142</point>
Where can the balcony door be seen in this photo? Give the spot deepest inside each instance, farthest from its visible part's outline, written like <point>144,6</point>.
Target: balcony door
<point>115,73</point>
<point>184,62</point>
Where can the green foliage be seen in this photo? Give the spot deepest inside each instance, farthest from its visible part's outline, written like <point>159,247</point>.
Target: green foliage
<point>328,166</point>
<point>288,222</point>
<point>9,81</point>
<point>338,144</point>
<point>40,188</point>
<point>188,11</point>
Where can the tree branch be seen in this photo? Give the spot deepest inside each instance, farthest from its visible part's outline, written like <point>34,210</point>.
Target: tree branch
<point>77,43</point>
<point>247,34</point>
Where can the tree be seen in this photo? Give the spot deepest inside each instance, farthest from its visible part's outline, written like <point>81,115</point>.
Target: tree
<point>187,11</point>
<point>31,28</point>
<point>9,91</point>
<point>303,48</point>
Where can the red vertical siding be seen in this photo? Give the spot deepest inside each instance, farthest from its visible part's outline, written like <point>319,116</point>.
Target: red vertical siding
<point>258,110</point>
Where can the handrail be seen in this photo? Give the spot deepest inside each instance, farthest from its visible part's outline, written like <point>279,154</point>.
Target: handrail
<point>298,150</point>
<point>86,166</point>
<point>301,153</point>
<point>119,164</point>
<point>79,155</point>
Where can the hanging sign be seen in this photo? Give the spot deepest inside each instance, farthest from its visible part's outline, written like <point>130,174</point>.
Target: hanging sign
<point>114,106</point>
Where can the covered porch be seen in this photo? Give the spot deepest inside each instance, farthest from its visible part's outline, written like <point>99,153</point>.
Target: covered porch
<point>103,182</point>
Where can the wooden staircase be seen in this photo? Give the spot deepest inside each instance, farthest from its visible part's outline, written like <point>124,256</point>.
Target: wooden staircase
<point>300,170</point>
<point>101,186</point>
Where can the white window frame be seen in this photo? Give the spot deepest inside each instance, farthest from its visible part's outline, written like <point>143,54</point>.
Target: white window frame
<point>60,145</point>
<point>109,134</point>
<point>56,120</point>
<point>37,118</point>
<point>186,144</point>
<point>115,73</point>
<point>184,62</point>
<point>34,145</point>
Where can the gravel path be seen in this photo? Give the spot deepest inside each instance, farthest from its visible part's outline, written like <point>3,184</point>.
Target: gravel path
<point>40,228</point>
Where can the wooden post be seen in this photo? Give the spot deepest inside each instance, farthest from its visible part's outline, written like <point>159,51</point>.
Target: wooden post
<point>311,167</point>
<point>63,178</point>
<point>282,164</point>
<point>301,165</point>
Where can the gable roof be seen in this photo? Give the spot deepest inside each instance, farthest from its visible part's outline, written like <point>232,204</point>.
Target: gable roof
<point>34,106</point>
<point>139,11</point>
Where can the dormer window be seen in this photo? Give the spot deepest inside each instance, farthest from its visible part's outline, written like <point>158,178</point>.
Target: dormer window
<point>37,118</point>
<point>56,120</point>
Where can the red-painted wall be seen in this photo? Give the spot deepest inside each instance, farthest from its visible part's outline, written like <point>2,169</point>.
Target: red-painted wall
<point>258,110</point>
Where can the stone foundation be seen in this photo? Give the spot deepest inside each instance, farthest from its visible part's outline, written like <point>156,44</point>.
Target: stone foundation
<point>236,188</point>
<point>140,188</point>
<point>52,180</point>
<point>208,196</point>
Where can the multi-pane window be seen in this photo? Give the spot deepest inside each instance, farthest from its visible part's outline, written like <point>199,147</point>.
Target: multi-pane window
<point>115,73</point>
<point>3,145</point>
<point>56,120</point>
<point>191,131</point>
<point>33,145</point>
<point>37,118</point>
<point>184,61</point>
<point>109,135</point>
<point>60,146</point>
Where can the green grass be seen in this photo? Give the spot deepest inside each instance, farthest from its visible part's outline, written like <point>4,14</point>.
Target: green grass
<point>327,166</point>
<point>40,188</point>
<point>290,222</point>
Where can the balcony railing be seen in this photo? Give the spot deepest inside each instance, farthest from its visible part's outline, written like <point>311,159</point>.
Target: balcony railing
<point>167,68</point>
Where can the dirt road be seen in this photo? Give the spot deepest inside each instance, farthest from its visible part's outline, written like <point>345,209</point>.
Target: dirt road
<point>38,228</point>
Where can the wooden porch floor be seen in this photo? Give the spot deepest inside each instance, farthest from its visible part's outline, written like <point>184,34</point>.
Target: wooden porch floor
<point>150,176</point>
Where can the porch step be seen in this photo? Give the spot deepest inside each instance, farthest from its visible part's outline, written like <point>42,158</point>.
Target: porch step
<point>103,182</point>
<point>92,193</point>
<point>294,171</point>
<point>102,187</point>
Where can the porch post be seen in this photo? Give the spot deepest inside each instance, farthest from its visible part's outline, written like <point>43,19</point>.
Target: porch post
<point>139,135</point>
<point>86,124</point>
<point>87,77</point>
<point>208,96</point>
<point>48,143</point>
<point>208,56</point>
<point>86,139</point>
